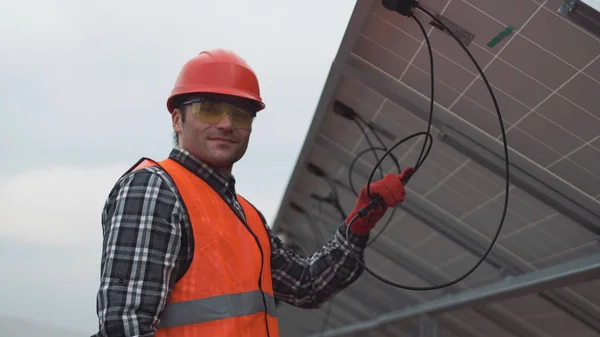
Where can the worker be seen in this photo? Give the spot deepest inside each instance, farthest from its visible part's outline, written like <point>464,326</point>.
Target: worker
<point>183,254</point>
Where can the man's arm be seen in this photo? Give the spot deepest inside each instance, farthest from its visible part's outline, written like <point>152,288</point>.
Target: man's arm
<point>142,234</point>
<point>308,282</point>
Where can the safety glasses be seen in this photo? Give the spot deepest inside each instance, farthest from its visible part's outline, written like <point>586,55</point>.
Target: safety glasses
<point>212,111</point>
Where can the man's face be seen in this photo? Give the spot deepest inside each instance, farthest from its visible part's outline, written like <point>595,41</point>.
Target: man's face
<point>218,144</point>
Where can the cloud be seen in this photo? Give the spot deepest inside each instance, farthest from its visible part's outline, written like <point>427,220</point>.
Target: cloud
<point>51,283</point>
<point>84,87</point>
<point>25,328</point>
<point>56,205</point>
<point>50,243</point>
<point>88,82</point>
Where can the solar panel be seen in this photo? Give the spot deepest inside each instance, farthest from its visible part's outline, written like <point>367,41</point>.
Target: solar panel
<point>545,71</point>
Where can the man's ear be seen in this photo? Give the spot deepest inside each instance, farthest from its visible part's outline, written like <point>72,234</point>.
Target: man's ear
<point>177,119</point>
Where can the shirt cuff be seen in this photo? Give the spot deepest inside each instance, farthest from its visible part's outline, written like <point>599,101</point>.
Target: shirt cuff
<point>357,242</point>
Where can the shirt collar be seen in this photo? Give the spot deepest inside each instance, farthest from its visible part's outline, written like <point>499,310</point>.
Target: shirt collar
<point>206,172</point>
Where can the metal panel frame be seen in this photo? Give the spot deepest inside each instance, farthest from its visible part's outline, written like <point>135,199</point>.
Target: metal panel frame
<point>569,273</point>
<point>582,14</point>
<point>430,275</point>
<point>359,14</point>
<point>427,272</point>
<point>473,241</point>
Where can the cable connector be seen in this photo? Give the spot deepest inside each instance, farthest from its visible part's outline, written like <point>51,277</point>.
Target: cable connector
<point>371,206</point>
<point>314,169</point>
<point>343,110</point>
<point>347,112</point>
<point>319,198</point>
<point>404,7</point>
<point>297,208</point>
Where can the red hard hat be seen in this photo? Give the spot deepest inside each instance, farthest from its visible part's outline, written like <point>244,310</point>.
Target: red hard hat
<point>217,71</point>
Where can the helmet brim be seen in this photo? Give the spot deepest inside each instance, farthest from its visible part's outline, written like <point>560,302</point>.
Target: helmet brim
<point>190,90</point>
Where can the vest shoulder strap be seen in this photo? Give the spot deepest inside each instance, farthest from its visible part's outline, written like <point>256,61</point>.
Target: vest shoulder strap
<point>262,218</point>
<point>145,162</point>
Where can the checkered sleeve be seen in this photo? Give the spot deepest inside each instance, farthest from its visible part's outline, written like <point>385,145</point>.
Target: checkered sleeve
<point>308,282</point>
<point>141,241</point>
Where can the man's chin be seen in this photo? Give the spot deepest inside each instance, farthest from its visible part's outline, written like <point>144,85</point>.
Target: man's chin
<point>222,160</point>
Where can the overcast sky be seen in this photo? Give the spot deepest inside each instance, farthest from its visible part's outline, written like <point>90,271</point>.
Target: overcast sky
<point>83,91</point>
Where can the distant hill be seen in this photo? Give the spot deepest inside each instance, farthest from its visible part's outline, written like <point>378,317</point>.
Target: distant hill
<point>15,327</point>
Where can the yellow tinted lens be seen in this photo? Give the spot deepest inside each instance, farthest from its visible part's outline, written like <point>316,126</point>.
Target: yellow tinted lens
<point>241,119</point>
<point>213,112</point>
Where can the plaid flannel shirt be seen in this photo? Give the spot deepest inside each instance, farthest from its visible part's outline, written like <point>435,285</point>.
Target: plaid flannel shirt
<point>148,246</point>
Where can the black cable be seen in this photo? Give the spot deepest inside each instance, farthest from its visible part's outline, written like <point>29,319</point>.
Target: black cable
<point>375,202</point>
<point>260,284</point>
<point>424,151</point>
<point>320,238</point>
<point>421,158</point>
<point>370,144</point>
<point>351,169</point>
<point>362,153</point>
<point>357,118</point>
<point>335,199</point>
<point>374,150</point>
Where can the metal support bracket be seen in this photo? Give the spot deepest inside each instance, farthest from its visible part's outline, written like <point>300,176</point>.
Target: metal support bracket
<point>569,273</point>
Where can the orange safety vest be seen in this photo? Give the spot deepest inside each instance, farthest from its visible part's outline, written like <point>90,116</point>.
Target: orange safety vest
<point>223,293</point>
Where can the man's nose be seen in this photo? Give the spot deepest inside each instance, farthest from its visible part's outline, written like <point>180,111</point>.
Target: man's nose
<point>226,123</point>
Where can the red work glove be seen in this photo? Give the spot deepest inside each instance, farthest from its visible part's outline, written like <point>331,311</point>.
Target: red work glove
<point>390,189</point>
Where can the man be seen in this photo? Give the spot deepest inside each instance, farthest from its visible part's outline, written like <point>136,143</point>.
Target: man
<point>184,255</point>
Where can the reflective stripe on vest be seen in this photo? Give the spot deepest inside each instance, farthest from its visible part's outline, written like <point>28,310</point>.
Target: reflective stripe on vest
<point>218,307</point>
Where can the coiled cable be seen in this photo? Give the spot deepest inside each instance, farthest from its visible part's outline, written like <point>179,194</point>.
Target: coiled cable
<point>375,202</point>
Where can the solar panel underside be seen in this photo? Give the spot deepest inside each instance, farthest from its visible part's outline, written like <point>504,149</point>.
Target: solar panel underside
<point>546,76</point>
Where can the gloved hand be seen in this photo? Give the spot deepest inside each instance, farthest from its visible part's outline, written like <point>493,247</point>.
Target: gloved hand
<point>390,189</point>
